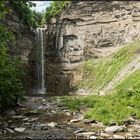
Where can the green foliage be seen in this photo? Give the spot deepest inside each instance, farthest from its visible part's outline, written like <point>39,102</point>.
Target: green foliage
<point>39,18</point>
<point>125,100</point>
<point>55,8</point>
<point>26,14</point>
<point>10,72</point>
<point>111,108</point>
<point>97,73</point>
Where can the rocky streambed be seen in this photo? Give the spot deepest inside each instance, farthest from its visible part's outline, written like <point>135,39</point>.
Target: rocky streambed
<point>46,118</point>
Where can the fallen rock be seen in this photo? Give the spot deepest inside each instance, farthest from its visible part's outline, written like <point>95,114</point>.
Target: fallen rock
<point>41,107</point>
<point>88,121</point>
<point>30,113</point>
<point>74,120</point>
<point>10,113</point>
<point>25,119</point>
<point>118,137</point>
<point>80,130</point>
<point>104,135</point>
<point>43,124</point>
<point>18,117</point>
<point>85,134</point>
<point>128,135</point>
<point>113,129</point>
<point>97,124</point>
<point>136,126</point>
<point>93,137</point>
<point>52,124</point>
<point>10,130</point>
<point>28,138</point>
<point>68,113</point>
<point>20,129</point>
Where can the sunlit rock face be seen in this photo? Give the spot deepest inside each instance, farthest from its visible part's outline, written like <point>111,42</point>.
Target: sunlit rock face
<point>86,30</point>
<point>24,45</point>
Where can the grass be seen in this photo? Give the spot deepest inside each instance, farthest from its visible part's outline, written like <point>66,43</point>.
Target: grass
<point>97,73</point>
<point>116,107</point>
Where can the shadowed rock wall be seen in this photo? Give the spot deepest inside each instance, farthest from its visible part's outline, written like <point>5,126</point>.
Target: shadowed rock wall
<point>24,46</point>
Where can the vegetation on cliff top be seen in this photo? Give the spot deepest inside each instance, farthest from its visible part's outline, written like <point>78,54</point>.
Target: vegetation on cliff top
<point>55,8</point>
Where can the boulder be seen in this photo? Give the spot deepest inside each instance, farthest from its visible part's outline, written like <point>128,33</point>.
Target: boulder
<point>113,129</point>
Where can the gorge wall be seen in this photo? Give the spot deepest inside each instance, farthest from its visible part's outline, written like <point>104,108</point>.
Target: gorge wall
<point>23,47</point>
<point>85,30</point>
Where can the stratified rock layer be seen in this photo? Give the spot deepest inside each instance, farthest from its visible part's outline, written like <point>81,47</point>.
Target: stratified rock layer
<point>24,45</point>
<point>86,30</point>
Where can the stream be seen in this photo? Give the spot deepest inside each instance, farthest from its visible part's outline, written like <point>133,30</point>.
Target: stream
<point>46,118</point>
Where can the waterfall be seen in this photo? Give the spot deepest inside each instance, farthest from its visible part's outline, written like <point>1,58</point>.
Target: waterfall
<point>40,32</point>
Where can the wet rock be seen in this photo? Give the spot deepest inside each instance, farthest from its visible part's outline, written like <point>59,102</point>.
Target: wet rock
<point>130,130</point>
<point>10,130</point>
<point>33,119</point>
<point>136,137</point>
<point>77,118</point>
<point>43,100</point>
<point>99,124</point>
<point>136,126</point>
<point>131,138</point>
<point>10,113</point>
<point>88,121</point>
<point>12,126</point>
<point>52,124</point>
<point>80,130</point>
<point>113,129</point>
<point>20,129</point>
<point>25,119</point>
<point>128,135</point>
<point>43,124</point>
<point>68,113</point>
<point>28,138</point>
<point>74,120</point>
<point>104,135</point>
<point>30,113</point>
<point>118,137</point>
<point>85,134</point>
<point>92,137</point>
<point>45,128</point>
<point>18,117</point>
<point>41,107</point>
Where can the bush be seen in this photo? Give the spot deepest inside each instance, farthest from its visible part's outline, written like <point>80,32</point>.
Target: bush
<point>10,72</point>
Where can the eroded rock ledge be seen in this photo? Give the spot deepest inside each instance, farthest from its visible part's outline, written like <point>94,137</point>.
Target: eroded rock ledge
<point>86,30</point>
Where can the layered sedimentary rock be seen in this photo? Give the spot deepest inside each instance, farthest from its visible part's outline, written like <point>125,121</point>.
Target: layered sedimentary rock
<point>85,30</point>
<point>24,45</point>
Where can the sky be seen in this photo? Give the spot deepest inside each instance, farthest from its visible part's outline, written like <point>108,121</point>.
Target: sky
<point>41,5</point>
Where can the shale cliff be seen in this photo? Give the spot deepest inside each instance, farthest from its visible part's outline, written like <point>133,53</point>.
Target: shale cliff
<point>24,45</point>
<point>85,30</point>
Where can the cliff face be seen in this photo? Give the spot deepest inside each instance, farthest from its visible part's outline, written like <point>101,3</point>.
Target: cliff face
<point>86,30</point>
<point>24,46</point>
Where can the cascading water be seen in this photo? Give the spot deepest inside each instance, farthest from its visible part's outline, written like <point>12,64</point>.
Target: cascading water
<point>40,32</point>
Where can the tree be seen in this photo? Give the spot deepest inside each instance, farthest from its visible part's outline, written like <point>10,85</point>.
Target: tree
<point>55,8</point>
<point>10,68</point>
